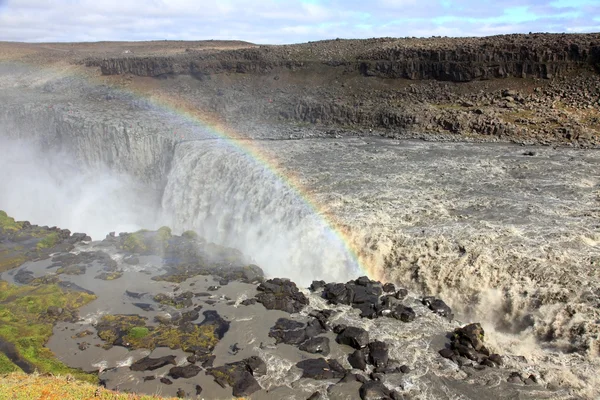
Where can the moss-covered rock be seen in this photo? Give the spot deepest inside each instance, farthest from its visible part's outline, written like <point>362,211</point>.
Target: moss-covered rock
<point>180,301</point>
<point>132,332</point>
<point>27,315</point>
<point>8,224</point>
<point>22,241</point>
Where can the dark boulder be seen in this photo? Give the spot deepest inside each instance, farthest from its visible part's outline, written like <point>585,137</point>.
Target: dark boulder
<point>317,396</point>
<point>285,324</point>
<point>362,281</point>
<point>378,354</point>
<point>288,331</point>
<point>472,334</point>
<point>403,313</point>
<point>401,293</point>
<point>354,337</point>
<point>439,307</point>
<point>248,302</point>
<point>314,328</point>
<point>496,359</point>
<point>212,317</point>
<point>374,390</point>
<point>185,372</point>
<point>447,353</point>
<point>281,294</point>
<point>389,288</point>
<point>316,285</point>
<point>316,345</point>
<point>256,365</point>
<point>322,316</point>
<point>144,306</point>
<point>319,369</point>
<point>338,293</point>
<point>240,375</point>
<point>358,359</point>
<point>336,366</point>
<point>150,364</point>
<point>367,310</point>
<point>166,381</point>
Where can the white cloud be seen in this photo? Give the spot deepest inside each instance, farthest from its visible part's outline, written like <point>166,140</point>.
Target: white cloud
<point>277,21</point>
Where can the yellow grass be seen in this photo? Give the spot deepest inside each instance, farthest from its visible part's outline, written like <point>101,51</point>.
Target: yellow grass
<point>19,386</point>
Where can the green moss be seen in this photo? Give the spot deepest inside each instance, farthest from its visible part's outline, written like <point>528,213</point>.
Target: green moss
<point>25,323</point>
<point>138,332</point>
<point>164,233</point>
<point>190,235</point>
<point>7,223</point>
<point>109,276</point>
<point>11,260</point>
<point>6,366</point>
<point>131,332</point>
<point>48,241</point>
<point>134,243</point>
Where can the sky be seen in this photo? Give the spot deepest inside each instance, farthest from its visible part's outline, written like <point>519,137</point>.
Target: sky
<point>286,21</point>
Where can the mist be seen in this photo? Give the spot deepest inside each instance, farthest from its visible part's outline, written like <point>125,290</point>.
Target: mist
<point>49,187</point>
<point>233,200</point>
<point>226,197</point>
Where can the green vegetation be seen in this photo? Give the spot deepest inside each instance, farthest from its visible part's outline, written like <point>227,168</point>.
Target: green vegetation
<point>134,243</point>
<point>10,260</point>
<point>48,241</point>
<point>190,235</point>
<point>164,233</point>
<point>8,224</point>
<point>131,331</point>
<point>109,275</point>
<point>25,321</point>
<point>19,386</point>
<point>138,332</point>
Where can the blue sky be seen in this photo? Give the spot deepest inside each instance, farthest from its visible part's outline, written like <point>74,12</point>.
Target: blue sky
<point>286,21</point>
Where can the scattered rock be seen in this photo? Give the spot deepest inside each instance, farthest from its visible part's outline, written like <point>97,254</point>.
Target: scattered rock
<point>378,354</point>
<point>151,364</point>
<point>353,337</point>
<point>240,375</point>
<point>281,294</point>
<point>374,390</point>
<point>185,372</point>
<point>316,345</point>
<point>358,359</point>
<point>439,307</point>
<point>318,369</point>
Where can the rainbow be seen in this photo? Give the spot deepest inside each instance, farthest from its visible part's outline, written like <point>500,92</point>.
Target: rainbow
<point>180,108</point>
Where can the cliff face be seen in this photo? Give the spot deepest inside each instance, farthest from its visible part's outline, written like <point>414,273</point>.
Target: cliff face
<point>457,60</point>
<point>95,141</point>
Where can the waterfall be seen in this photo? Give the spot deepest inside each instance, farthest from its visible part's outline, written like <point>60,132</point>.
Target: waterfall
<point>233,200</point>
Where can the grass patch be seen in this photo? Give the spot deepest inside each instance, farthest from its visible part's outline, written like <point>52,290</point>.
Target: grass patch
<point>138,332</point>
<point>18,386</point>
<point>134,243</point>
<point>190,235</point>
<point>48,241</point>
<point>10,260</point>
<point>131,332</point>
<point>24,322</point>
<point>8,224</point>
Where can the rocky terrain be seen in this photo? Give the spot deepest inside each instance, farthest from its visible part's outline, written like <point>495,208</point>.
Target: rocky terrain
<point>208,325</point>
<point>536,88</point>
<point>284,153</point>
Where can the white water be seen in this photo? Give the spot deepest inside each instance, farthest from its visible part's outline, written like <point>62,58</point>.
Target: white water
<point>54,189</point>
<point>233,200</point>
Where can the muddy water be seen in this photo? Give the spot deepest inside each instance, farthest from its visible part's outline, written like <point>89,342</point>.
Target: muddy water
<point>508,234</point>
<point>414,344</point>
